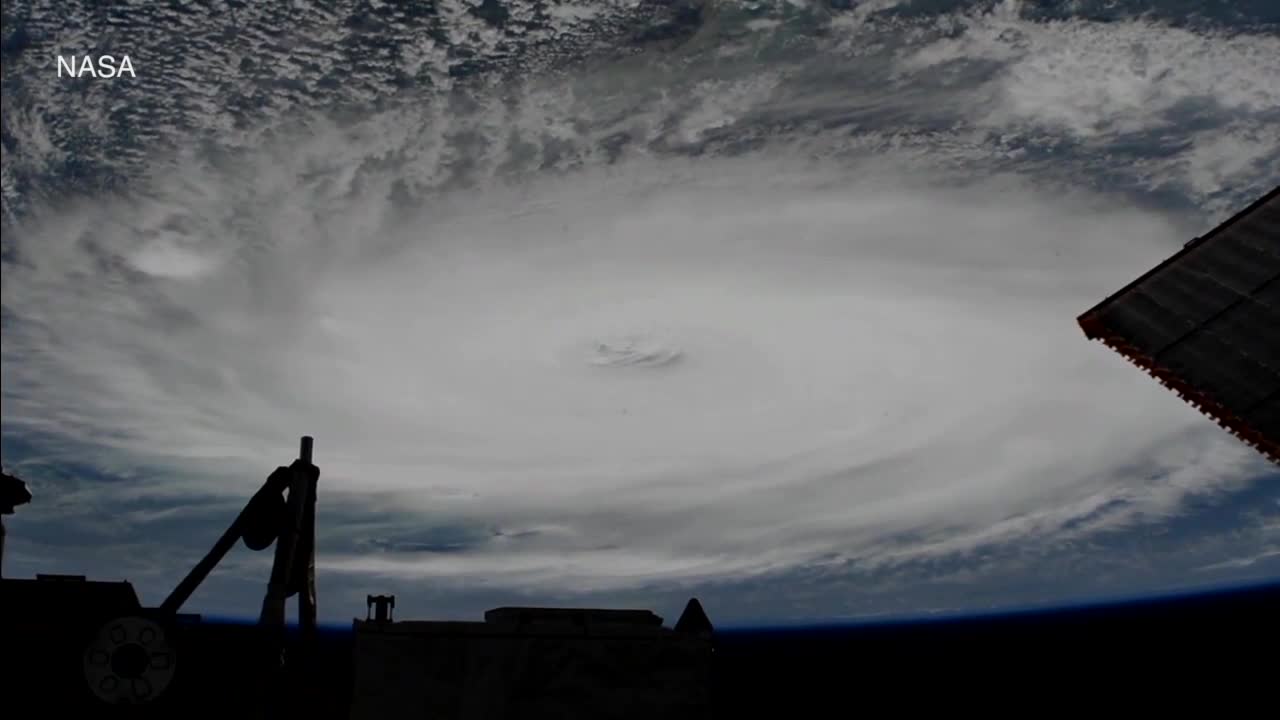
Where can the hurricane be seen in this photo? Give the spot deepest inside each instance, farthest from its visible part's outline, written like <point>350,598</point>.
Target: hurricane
<point>771,299</point>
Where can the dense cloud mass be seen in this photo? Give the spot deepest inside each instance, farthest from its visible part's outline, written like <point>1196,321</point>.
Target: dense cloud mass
<point>775,296</point>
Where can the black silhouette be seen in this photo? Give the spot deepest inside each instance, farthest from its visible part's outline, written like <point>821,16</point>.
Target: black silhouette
<point>13,492</point>
<point>694,619</point>
<point>91,647</point>
<point>1205,323</point>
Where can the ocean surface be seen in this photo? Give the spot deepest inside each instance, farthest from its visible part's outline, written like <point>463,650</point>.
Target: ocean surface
<point>618,302</point>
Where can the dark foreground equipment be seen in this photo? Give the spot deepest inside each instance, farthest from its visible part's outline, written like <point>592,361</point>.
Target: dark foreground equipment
<point>266,519</point>
<point>1206,323</point>
<point>13,492</point>
<point>90,644</point>
<point>91,650</point>
<point>533,663</point>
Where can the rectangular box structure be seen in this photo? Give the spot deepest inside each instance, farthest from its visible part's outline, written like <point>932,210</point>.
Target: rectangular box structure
<point>531,663</point>
<point>1206,323</point>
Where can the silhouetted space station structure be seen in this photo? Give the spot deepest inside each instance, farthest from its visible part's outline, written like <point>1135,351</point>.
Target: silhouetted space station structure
<point>1206,323</point>
<point>13,492</point>
<point>90,646</point>
<point>533,663</point>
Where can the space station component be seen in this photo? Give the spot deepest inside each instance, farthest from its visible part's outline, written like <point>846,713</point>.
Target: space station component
<point>13,492</point>
<point>129,662</point>
<point>380,606</point>
<point>535,662</point>
<point>92,642</point>
<point>268,518</point>
<point>1206,324</point>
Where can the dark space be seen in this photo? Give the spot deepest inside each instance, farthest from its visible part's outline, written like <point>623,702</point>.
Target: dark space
<point>1157,654</point>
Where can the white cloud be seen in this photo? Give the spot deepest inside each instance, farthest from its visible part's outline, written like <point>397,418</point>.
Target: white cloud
<point>864,359</point>
<point>1093,78</point>
<point>857,358</point>
<point>1243,562</point>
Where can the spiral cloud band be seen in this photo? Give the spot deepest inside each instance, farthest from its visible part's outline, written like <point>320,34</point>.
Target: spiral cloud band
<point>753,368</point>
<point>631,328</point>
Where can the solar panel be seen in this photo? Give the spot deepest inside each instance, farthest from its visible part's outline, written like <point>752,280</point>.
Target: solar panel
<point>1206,323</point>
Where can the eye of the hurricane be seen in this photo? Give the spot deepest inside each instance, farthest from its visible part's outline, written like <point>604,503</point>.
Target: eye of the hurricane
<point>639,350</point>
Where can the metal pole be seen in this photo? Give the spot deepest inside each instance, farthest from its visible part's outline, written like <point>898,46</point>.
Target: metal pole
<point>205,566</point>
<point>304,452</point>
<point>286,545</point>
<point>228,540</point>
<point>292,540</point>
<point>305,563</point>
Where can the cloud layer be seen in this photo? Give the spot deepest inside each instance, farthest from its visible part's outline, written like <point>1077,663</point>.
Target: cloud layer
<point>531,361</point>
